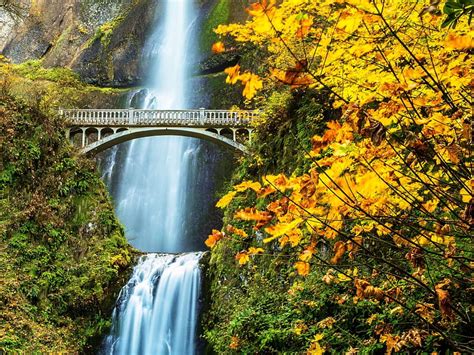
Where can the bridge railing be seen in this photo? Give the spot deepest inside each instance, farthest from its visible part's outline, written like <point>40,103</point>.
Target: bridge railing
<point>138,117</point>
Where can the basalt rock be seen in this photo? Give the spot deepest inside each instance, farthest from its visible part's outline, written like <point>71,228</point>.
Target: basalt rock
<point>101,40</point>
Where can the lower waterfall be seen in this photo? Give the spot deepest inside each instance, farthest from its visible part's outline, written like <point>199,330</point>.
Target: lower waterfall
<point>157,311</point>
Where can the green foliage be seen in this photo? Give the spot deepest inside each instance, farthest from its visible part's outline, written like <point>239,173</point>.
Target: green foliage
<point>63,255</point>
<point>219,14</point>
<point>455,9</point>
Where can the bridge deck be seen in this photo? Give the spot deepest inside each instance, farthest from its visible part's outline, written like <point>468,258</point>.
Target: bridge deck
<point>159,118</point>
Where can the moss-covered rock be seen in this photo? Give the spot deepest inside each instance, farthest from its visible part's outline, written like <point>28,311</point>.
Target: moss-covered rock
<point>101,40</point>
<point>63,255</point>
<point>53,88</point>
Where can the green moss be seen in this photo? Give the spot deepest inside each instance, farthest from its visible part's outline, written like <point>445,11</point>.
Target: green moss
<point>105,31</point>
<point>218,15</point>
<point>34,70</point>
<point>51,88</point>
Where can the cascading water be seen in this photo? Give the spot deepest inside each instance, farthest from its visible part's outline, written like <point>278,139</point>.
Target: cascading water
<point>156,312</point>
<point>153,182</point>
<point>151,195</point>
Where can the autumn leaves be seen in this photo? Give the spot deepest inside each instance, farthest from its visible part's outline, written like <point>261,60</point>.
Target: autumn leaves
<point>390,185</point>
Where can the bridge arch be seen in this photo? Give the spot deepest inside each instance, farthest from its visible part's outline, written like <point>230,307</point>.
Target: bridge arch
<point>127,134</point>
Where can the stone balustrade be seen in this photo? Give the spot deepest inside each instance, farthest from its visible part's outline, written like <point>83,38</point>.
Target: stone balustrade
<point>159,118</point>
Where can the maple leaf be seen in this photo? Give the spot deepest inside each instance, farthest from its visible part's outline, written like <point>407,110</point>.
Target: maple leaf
<point>261,7</point>
<point>306,254</point>
<point>218,47</point>
<point>315,348</point>
<point>444,300</point>
<point>304,25</point>
<point>302,268</point>
<point>242,257</point>
<point>252,83</point>
<point>279,229</point>
<point>326,323</point>
<point>426,311</point>
<point>226,199</point>
<point>233,74</point>
<point>459,42</point>
<point>295,77</point>
<point>393,343</point>
<point>238,231</point>
<point>213,238</point>
<point>339,249</point>
<point>248,185</point>
<point>252,214</point>
<point>265,191</point>
<point>234,343</point>
<point>255,251</point>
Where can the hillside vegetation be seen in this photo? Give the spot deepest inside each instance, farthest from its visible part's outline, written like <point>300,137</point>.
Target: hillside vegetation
<point>63,255</point>
<point>349,228</point>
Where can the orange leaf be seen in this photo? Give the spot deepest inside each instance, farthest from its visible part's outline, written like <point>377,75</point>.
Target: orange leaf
<point>218,47</point>
<point>238,231</point>
<point>242,257</point>
<point>302,268</point>
<point>234,343</point>
<point>259,8</point>
<point>265,191</point>
<point>252,214</point>
<point>444,300</point>
<point>213,238</point>
<point>339,249</point>
<point>304,25</point>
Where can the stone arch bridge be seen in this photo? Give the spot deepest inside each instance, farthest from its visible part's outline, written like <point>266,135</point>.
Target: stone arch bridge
<point>94,130</point>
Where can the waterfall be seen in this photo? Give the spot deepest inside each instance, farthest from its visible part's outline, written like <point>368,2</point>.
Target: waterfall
<point>156,312</point>
<point>154,185</point>
<point>151,198</point>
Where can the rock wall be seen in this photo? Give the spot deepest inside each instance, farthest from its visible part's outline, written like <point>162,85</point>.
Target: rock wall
<point>99,39</point>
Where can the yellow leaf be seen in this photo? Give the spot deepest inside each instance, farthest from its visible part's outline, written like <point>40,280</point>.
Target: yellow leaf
<point>253,83</point>
<point>281,228</point>
<point>252,214</point>
<point>254,251</point>
<point>315,348</point>
<point>248,185</point>
<point>459,42</point>
<point>238,231</point>
<point>302,268</point>
<point>232,74</point>
<point>342,277</point>
<point>339,249</point>
<point>226,199</point>
<point>242,257</point>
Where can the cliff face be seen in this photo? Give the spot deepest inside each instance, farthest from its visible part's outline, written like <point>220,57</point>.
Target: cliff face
<point>101,40</point>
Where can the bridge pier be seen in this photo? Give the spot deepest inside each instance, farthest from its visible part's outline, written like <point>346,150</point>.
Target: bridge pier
<point>83,137</point>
